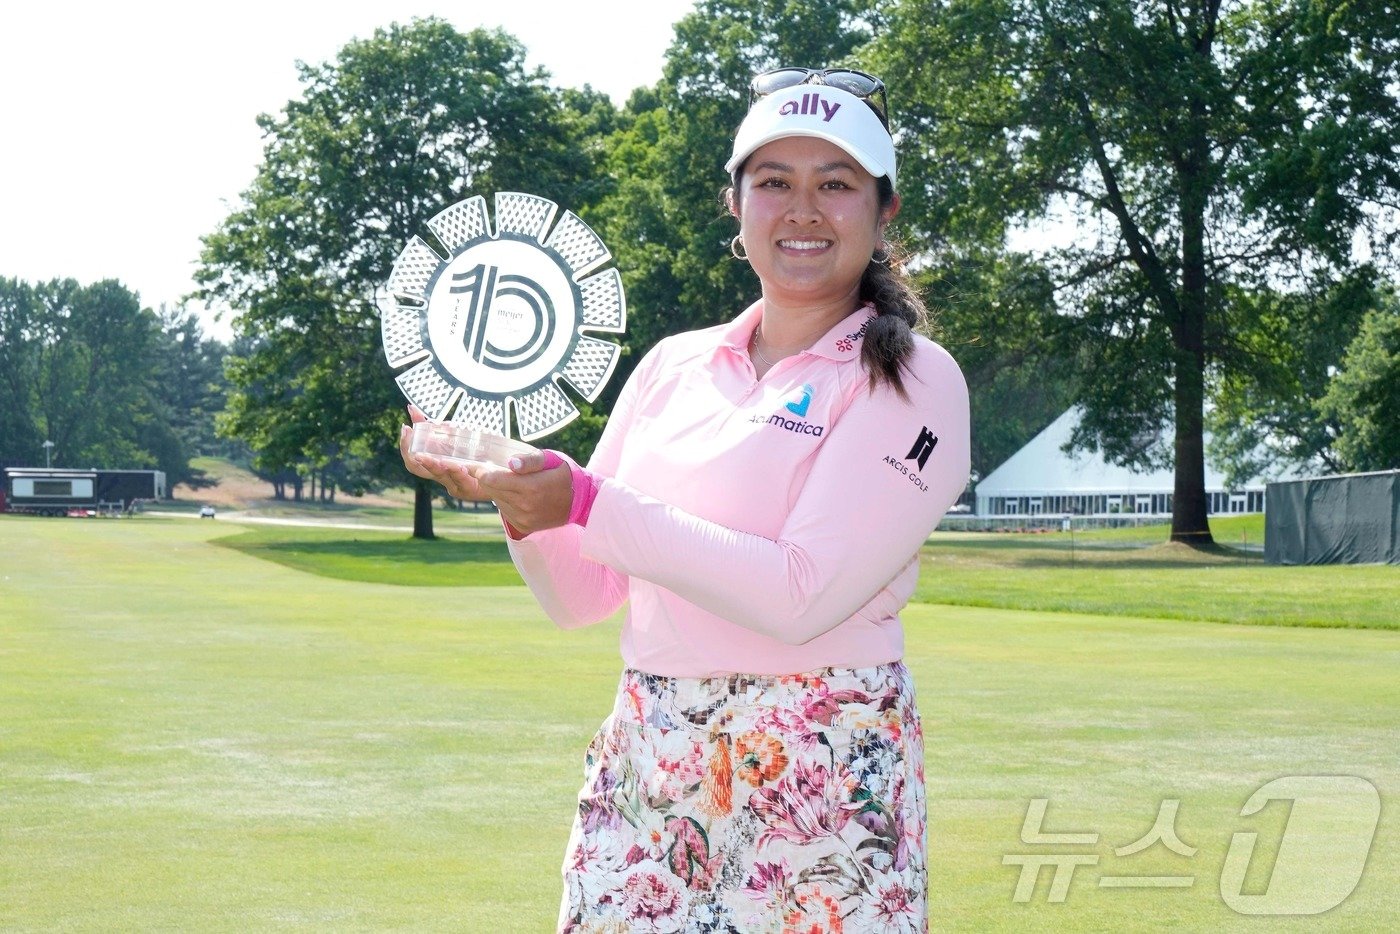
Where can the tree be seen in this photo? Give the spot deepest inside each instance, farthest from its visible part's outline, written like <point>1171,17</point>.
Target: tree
<point>20,313</point>
<point>994,311</point>
<point>78,367</point>
<point>1289,343</point>
<point>1364,397</point>
<point>1205,150</point>
<point>398,127</point>
<point>190,386</point>
<point>666,217</point>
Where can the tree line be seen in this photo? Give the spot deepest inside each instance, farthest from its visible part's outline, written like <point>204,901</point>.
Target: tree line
<point>104,381</point>
<point>89,377</point>
<point>1228,172</point>
<point>1178,214</point>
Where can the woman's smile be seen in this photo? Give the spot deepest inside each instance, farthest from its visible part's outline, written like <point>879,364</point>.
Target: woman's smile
<point>804,246</point>
<point>811,218</point>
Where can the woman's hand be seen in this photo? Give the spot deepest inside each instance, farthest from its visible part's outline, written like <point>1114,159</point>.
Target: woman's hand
<point>453,475</point>
<point>535,492</point>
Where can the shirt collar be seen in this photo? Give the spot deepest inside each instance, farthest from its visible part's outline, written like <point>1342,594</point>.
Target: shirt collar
<point>842,342</point>
<point>737,333</point>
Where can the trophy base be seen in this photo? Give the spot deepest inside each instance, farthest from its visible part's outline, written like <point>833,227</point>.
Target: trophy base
<point>465,443</point>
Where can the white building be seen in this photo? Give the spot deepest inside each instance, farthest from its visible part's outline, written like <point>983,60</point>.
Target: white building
<point>1041,479</point>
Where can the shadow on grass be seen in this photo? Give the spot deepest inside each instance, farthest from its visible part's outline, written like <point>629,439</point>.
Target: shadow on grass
<point>381,559</point>
<point>441,551</point>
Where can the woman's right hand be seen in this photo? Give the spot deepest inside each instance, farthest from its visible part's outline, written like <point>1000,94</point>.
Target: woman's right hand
<point>453,475</point>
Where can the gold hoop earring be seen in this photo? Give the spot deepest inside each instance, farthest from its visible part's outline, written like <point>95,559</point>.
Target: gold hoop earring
<point>736,245</point>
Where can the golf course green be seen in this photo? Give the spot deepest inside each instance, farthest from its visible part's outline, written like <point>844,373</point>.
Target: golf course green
<point>206,726</point>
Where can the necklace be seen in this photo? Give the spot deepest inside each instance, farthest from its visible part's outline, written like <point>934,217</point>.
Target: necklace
<point>753,345</point>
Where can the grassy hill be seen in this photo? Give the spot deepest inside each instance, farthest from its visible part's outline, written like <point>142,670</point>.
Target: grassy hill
<point>235,487</point>
<point>235,491</point>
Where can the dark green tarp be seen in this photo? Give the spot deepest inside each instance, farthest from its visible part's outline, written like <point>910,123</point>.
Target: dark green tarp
<point>1349,519</point>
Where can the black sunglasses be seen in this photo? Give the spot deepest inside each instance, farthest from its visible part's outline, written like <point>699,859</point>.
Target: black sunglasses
<point>864,86</point>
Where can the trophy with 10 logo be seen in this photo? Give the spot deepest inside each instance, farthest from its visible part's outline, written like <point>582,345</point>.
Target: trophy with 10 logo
<point>493,326</point>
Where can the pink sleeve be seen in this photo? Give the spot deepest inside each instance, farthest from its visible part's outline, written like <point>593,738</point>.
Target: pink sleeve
<point>858,521</point>
<point>583,487</point>
<point>573,590</point>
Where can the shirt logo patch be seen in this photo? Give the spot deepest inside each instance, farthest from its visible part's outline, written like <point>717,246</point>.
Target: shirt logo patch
<point>923,447</point>
<point>788,424</point>
<point>810,105</point>
<point>799,405</point>
<point>848,343</point>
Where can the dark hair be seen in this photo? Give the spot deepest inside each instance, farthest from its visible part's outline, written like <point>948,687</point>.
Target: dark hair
<point>900,312</point>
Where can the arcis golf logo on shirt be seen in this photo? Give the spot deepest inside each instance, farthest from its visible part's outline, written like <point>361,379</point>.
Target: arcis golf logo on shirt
<point>797,403</point>
<point>923,447</point>
<point>919,454</point>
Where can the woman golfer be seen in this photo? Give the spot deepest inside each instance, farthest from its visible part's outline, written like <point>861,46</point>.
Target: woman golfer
<point>758,499</point>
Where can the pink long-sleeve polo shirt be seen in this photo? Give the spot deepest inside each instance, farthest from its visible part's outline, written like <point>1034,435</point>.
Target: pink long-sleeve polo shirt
<point>769,526</point>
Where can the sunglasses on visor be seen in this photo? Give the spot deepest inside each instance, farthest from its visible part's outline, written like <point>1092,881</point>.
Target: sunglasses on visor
<point>866,87</point>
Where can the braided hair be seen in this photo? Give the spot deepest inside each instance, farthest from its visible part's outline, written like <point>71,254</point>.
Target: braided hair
<point>900,312</point>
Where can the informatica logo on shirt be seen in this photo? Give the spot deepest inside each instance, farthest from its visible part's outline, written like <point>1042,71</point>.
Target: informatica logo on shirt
<point>797,405</point>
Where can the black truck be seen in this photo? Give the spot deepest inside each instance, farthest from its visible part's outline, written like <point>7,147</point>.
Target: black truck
<point>60,491</point>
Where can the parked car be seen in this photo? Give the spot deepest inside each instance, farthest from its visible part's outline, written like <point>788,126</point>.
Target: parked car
<point>206,512</point>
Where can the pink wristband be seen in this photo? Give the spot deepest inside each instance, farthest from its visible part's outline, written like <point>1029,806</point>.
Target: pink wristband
<point>585,486</point>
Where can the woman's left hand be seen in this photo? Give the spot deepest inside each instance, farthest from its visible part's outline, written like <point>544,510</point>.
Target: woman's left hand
<point>530,496</point>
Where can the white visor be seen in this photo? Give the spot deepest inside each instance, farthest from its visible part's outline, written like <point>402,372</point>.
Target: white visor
<point>823,112</point>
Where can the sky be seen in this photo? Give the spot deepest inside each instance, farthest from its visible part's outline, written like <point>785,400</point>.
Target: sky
<point>127,130</point>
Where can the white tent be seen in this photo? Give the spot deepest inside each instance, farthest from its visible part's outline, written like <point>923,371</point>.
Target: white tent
<point>1042,479</point>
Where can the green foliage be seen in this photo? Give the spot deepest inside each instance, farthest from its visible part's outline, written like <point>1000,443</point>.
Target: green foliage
<point>189,371</point>
<point>399,126</point>
<point>996,314</point>
<point>580,436</point>
<point>666,215</point>
<point>1364,397</point>
<point>21,314</point>
<point>89,369</point>
<point>1206,152</point>
<point>1286,347</point>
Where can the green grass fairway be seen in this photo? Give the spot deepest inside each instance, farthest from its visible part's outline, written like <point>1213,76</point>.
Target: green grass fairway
<point>193,738</point>
<point>1134,572</point>
<point>1122,572</point>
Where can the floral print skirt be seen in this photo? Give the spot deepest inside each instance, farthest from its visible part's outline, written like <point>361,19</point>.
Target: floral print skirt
<point>753,803</point>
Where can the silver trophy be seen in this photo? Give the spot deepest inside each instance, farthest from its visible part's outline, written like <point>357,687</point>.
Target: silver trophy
<point>491,328</point>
